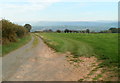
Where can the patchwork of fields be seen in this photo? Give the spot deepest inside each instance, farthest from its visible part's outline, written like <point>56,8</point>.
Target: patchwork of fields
<point>104,46</point>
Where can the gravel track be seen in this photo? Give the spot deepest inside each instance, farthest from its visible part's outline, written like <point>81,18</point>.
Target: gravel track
<point>41,63</point>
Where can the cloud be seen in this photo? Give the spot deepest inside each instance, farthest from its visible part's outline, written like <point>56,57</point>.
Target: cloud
<point>20,9</point>
<point>27,5</point>
<point>14,9</point>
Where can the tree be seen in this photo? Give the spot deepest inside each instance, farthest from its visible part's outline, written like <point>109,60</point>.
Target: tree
<point>118,30</point>
<point>105,31</point>
<point>114,30</point>
<point>28,27</point>
<point>59,31</point>
<point>66,31</point>
<point>87,31</point>
<point>50,30</point>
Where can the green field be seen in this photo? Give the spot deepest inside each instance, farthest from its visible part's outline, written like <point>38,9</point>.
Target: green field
<point>14,45</point>
<point>102,45</point>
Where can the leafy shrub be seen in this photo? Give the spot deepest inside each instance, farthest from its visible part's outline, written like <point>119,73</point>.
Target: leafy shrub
<point>28,27</point>
<point>21,32</point>
<point>11,32</point>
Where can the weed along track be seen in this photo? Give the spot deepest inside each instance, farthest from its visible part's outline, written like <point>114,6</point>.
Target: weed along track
<point>38,62</point>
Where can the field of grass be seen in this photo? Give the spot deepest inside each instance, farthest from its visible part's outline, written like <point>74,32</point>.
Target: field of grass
<point>14,45</point>
<point>102,45</point>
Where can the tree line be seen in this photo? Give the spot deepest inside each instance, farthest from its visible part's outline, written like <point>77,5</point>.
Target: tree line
<point>11,32</point>
<point>66,31</point>
<point>111,30</point>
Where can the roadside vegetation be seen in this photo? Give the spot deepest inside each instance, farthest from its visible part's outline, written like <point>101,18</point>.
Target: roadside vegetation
<point>36,40</point>
<point>14,45</point>
<point>102,45</point>
<point>13,36</point>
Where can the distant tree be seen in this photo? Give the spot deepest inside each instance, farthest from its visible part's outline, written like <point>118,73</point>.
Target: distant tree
<point>118,30</point>
<point>59,31</point>
<point>114,30</point>
<point>50,30</point>
<point>105,31</point>
<point>80,31</point>
<point>87,31</point>
<point>66,31</point>
<point>28,27</point>
<point>75,31</point>
<point>83,31</point>
<point>70,31</point>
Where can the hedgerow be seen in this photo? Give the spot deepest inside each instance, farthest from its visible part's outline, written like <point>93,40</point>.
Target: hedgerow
<point>11,32</point>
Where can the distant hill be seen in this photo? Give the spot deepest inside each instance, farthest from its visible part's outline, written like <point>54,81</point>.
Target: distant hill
<point>74,25</point>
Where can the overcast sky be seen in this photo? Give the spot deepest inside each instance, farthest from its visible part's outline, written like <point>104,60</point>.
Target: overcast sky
<point>59,10</point>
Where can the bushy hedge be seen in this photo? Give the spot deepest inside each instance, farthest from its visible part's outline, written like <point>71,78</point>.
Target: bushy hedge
<point>11,32</point>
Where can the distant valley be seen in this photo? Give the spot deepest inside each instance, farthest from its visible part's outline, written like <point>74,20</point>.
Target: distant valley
<point>77,25</point>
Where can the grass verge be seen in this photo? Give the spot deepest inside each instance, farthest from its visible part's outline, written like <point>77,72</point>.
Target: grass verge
<point>14,45</point>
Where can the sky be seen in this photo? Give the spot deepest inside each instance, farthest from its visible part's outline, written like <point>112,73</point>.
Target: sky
<point>59,10</point>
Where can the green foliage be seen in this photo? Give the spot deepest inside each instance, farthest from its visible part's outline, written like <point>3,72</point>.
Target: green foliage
<point>21,32</point>
<point>11,32</point>
<point>80,80</point>
<point>114,30</point>
<point>102,45</point>
<point>28,27</point>
<point>87,31</point>
<point>97,77</point>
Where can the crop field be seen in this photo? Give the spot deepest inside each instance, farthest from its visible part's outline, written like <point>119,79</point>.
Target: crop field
<point>102,45</point>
